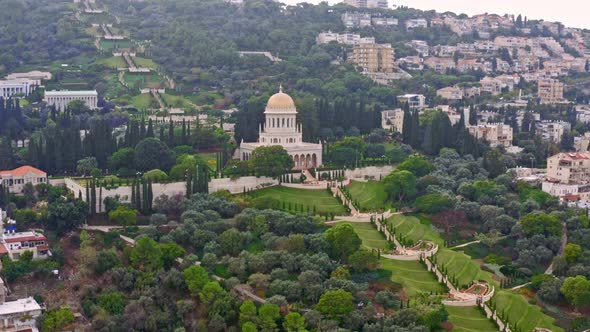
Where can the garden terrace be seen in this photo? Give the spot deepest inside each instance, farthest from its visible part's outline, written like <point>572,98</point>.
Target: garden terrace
<point>299,200</point>
<point>470,319</point>
<point>465,270</point>
<point>368,196</point>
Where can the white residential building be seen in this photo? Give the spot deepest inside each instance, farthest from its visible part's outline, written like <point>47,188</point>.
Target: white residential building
<point>552,130</point>
<point>393,120</point>
<point>496,134</point>
<point>414,100</point>
<point>356,20</point>
<point>420,46</point>
<point>583,113</point>
<point>61,99</point>
<point>14,244</point>
<point>343,38</point>
<point>414,23</point>
<point>19,315</point>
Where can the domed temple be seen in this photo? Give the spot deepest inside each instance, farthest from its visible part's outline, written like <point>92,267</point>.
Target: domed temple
<point>280,128</point>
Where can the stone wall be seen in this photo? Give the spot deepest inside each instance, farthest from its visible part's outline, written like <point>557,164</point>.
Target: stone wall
<point>124,192</point>
<point>239,185</point>
<point>368,173</point>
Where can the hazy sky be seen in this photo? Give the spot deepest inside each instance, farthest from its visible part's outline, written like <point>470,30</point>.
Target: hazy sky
<point>573,13</point>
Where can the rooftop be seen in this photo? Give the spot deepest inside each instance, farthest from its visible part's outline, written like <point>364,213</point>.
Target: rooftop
<point>18,306</point>
<point>22,171</point>
<point>23,236</point>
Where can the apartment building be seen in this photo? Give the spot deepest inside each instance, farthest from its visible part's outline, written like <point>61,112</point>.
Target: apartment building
<point>583,113</point>
<point>552,130</point>
<point>491,85</point>
<point>356,20</point>
<point>550,91</point>
<point>450,93</point>
<point>367,3</point>
<point>419,46</point>
<point>374,58</point>
<point>496,134</point>
<point>440,65</point>
<point>414,100</point>
<point>412,24</point>
<point>569,167</point>
<point>393,120</point>
<point>343,38</point>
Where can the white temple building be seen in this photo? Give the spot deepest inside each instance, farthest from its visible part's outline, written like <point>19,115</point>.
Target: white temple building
<point>280,128</point>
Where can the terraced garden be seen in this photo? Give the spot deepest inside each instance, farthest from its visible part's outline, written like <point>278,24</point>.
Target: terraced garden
<point>520,312</point>
<point>470,319</point>
<point>457,263</point>
<point>411,275</point>
<point>369,195</point>
<point>323,201</point>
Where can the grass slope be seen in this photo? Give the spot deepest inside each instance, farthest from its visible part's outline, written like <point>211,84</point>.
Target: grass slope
<point>413,277</point>
<point>370,195</point>
<point>321,199</point>
<point>372,239</point>
<point>467,319</point>
<point>457,263</point>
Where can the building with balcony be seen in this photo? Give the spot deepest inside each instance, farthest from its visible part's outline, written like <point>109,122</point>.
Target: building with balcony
<point>552,130</point>
<point>496,134</point>
<point>550,91</point>
<point>414,100</point>
<point>374,58</point>
<point>569,167</point>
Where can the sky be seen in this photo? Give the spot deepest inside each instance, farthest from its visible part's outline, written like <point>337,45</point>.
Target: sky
<point>572,13</point>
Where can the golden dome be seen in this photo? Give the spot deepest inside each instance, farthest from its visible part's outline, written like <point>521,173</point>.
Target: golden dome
<point>280,100</point>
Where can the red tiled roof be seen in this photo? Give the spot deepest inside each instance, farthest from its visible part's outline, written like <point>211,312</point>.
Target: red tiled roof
<point>571,197</point>
<point>23,170</point>
<point>26,238</point>
<point>3,250</point>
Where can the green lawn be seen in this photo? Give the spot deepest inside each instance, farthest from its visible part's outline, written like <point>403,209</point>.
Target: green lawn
<point>520,312</point>
<point>369,195</point>
<point>145,63</point>
<point>142,101</point>
<point>144,80</point>
<point>413,277</point>
<point>372,239</point>
<point>323,201</point>
<point>176,101</point>
<point>210,158</point>
<point>413,229</point>
<point>114,62</point>
<point>109,45</point>
<point>470,319</point>
<point>462,267</point>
